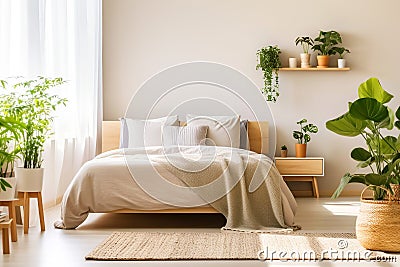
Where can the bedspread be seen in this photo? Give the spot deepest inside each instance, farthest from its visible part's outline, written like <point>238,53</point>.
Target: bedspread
<point>244,186</point>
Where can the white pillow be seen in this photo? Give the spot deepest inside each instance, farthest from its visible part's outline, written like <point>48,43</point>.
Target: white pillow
<point>140,133</point>
<point>222,130</point>
<point>184,136</point>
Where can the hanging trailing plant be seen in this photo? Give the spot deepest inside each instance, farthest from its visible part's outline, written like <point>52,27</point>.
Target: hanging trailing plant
<point>269,63</point>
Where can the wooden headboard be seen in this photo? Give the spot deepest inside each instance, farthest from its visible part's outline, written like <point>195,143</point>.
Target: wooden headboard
<point>257,130</point>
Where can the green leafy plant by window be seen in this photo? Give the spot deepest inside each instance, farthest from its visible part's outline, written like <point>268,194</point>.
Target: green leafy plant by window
<point>306,42</point>
<point>269,63</point>
<point>303,135</point>
<point>369,117</point>
<point>31,104</point>
<point>326,42</point>
<point>9,134</point>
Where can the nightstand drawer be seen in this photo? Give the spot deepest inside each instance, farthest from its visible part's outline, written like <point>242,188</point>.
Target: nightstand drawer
<point>298,166</point>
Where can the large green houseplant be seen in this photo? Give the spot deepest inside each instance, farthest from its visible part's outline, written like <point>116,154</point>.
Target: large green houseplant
<point>325,44</point>
<point>370,117</point>
<point>32,104</point>
<point>269,63</point>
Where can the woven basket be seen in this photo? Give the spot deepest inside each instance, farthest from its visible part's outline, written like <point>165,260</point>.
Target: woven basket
<point>396,191</point>
<point>378,224</point>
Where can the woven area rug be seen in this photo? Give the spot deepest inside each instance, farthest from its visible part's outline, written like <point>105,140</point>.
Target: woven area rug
<point>121,246</point>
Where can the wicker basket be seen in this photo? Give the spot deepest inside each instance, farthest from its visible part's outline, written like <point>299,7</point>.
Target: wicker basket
<point>396,191</point>
<point>378,224</point>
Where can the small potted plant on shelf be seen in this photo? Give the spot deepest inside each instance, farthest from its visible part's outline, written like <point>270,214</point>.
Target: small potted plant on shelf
<point>306,42</point>
<point>269,63</point>
<point>303,137</point>
<point>325,44</point>
<point>32,105</point>
<point>342,52</point>
<point>284,151</point>
<point>370,117</point>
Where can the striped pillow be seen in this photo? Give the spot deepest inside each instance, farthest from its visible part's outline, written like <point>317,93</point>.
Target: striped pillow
<point>184,136</point>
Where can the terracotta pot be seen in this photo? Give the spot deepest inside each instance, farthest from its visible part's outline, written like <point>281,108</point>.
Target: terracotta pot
<point>323,61</point>
<point>10,192</point>
<point>301,150</point>
<point>284,153</point>
<point>305,60</point>
<point>29,180</point>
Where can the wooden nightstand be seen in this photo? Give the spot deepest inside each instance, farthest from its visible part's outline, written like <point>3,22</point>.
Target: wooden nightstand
<point>301,170</point>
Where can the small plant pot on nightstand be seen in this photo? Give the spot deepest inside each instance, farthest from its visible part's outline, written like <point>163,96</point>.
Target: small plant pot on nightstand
<point>301,150</point>
<point>284,153</point>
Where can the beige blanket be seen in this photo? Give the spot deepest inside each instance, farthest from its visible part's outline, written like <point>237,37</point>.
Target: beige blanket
<point>246,184</point>
<point>156,178</point>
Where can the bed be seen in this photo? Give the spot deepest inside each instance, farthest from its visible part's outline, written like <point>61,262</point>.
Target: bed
<point>95,190</point>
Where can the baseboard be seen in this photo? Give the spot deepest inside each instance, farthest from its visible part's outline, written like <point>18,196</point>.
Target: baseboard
<point>326,193</point>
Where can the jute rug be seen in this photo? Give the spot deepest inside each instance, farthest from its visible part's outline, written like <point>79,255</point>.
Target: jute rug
<point>121,246</point>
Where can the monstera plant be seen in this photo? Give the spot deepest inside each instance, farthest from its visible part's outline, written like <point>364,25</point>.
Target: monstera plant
<point>370,117</point>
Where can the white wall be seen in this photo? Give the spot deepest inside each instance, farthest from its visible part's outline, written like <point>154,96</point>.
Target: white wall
<point>142,37</point>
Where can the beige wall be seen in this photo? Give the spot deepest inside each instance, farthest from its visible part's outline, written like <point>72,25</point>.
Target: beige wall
<point>142,37</point>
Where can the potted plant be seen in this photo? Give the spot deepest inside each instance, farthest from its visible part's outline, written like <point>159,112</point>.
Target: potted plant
<point>284,151</point>
<point>370,117</point>
<point>32,105</point>
<point>269,63</point>
<point>325,44</point>
<point>8,154</point>
<point>342,52</point>
<point>303,137</point>
<point>306,42</point>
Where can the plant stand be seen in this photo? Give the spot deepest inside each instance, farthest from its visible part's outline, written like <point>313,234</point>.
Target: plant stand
<point>5,226</point>
<point>24,201</point>
<point>10,204</point>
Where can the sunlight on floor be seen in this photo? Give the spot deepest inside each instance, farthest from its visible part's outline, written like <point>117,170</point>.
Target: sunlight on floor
<point>343,208</point>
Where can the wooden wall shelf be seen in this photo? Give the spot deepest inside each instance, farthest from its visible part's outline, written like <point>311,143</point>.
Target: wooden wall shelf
<point>314,69</point>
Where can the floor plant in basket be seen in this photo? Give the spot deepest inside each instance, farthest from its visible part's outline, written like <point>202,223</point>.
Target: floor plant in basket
<point>370,117</point>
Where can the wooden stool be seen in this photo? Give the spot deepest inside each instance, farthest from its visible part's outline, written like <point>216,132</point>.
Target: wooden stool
<point>4,226</point>
<point>24,201</point>
<point>10,204</point>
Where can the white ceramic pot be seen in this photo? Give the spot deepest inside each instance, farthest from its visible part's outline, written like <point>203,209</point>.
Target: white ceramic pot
<point>29,180</point>
<point>341,62</point>
<point>10,192</point>
<point>305,60</point>
<point>292,62</point>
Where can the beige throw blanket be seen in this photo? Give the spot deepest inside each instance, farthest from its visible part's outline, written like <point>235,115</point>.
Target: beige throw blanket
<point>247,184</point>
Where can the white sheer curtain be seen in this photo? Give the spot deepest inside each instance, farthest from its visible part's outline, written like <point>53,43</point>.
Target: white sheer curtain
<point>59,38</point>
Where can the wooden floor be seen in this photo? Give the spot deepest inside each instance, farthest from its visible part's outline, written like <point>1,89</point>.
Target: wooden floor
<point>68,247</point>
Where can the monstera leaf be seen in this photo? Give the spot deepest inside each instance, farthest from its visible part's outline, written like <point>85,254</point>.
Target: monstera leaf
<point>346,125</point>
<point>369,109</point>
<point>373,89</point>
